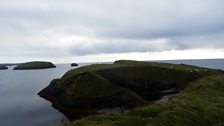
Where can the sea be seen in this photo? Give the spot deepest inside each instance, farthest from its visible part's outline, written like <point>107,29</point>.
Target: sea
<point>21,106</point>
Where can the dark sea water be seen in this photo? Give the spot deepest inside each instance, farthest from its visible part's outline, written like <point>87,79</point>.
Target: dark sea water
<point>21,106</point>
<point>19,103</point>
<point>209,63</point>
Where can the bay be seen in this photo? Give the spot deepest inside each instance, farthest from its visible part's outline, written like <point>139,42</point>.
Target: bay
<point>19,103</point>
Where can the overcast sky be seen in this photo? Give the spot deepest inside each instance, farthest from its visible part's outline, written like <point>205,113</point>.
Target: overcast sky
<point>106,30</point>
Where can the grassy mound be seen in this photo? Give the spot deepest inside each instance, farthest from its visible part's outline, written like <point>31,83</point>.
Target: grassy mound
<point>125,84</point>
<point>130,63</point>
<point>2,67</point>
<point>86,94</point>
<point>200,104</point>
<point>34,65</point>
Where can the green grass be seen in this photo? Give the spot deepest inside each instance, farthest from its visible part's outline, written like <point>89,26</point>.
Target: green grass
<point>200,104</point>
<point>34,65</point>
<point>94,86</point>
<point>123,73</point>
<point>97,87</point>
<point>133,84</point>
<point>143,78</point>
<point>88,91</point>
<point>129,63</point>
<point>151,73</point>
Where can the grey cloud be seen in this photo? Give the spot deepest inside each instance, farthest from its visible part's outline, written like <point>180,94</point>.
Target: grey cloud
<point>124,19</point>
<point>201,41</point>
<point>125,26</point>
<point>107,46</point>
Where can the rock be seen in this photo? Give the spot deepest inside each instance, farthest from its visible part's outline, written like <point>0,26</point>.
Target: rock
<point>2,67</point>
<point>74,64</point>
<point>34,65</point>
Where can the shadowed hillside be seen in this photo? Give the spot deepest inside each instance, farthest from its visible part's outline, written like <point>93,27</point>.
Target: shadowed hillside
<point>126,84</point>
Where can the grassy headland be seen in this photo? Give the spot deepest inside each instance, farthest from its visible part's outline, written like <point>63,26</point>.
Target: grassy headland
<point>201,103</point>
<point>132,84</point>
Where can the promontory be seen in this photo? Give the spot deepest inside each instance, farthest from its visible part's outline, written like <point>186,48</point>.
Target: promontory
<point>136,88</point>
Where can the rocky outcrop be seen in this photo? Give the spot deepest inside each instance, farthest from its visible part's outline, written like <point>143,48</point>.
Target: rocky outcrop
<point>74,64</point>
<point>2,67</point>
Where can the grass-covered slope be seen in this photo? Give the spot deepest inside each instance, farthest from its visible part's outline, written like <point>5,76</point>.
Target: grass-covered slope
<point>125,84</point>
<point>2,67</point>
<point>130,63</point>
<point>34,65</point>
<point>87,93</point>
<point>201,103</point>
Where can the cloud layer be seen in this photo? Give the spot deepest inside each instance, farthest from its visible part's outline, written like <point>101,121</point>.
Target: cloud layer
<point>54,29</point>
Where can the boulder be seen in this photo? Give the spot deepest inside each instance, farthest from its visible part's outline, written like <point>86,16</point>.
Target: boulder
<point>74,64</point>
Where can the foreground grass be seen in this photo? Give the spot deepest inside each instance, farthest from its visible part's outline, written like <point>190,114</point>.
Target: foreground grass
<point>201,103</point>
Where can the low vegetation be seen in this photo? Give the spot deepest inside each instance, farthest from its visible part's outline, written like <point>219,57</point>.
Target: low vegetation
<point>133,86</point>
<point>201,103</point>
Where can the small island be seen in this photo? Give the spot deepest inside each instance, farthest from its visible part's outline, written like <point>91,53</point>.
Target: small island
<point>74,64</point>
<point>34,65</point>
<point>2,67</point>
